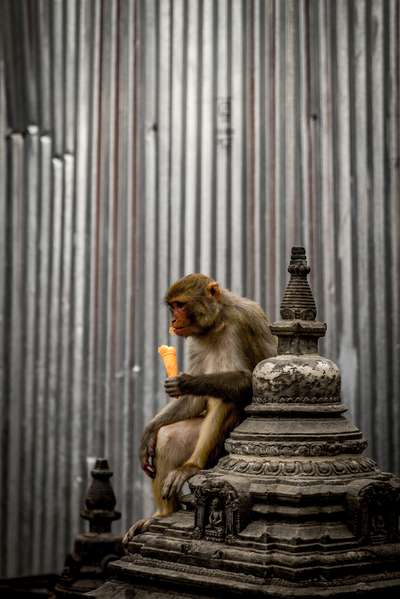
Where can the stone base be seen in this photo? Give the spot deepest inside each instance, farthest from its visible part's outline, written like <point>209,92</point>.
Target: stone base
<point>143,581</point>
<point>166,562</point>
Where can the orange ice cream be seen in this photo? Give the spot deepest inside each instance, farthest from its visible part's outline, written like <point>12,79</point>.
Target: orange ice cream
<point>168,355</point>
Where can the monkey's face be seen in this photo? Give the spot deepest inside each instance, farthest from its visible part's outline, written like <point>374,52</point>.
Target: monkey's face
<point>194,310</point>
<point>183,322</point>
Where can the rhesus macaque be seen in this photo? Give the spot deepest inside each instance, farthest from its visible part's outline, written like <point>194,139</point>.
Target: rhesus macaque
<point>227,336</point>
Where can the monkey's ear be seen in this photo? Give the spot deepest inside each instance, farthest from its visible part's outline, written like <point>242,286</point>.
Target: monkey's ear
<point>214,290</point>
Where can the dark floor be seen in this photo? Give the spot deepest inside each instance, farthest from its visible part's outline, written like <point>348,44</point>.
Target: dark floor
<point>28,586</point>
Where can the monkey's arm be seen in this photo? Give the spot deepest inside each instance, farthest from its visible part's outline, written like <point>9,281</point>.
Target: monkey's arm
<point>234,387</point>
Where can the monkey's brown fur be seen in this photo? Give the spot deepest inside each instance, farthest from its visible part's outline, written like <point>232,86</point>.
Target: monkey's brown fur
<point>227,336</point>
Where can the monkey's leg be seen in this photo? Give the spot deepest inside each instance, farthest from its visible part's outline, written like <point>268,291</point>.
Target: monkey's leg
<point>175,443</point>
<point>220,419</point>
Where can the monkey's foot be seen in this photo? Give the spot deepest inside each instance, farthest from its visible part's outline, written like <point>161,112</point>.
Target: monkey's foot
<point>137,528</point>
<point>177,478</point>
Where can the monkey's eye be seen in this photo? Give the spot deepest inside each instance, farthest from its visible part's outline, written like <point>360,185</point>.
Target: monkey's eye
<point>175,305</point>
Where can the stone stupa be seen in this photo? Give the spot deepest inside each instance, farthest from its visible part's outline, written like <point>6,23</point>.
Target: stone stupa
<point>294,509</point>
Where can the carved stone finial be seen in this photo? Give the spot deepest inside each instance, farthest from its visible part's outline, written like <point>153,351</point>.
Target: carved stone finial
<point>298,331</point>
<point>298,301</point>
<point>100,499</point>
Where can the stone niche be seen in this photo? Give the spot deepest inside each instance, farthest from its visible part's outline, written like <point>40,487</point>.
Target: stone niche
<point>294,509</point>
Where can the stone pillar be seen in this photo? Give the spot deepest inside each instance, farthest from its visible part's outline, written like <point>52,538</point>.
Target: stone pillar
<point>84,568</point>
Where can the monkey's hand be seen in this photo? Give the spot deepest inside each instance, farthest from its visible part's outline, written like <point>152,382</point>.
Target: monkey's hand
<point>178,385</point>
<point>148,451</point>
<point>176,479</point>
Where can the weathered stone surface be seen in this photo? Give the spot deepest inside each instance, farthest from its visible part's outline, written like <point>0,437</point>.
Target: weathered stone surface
<point>294,509</point>
<point>84,569</point>
<point>305,379</point>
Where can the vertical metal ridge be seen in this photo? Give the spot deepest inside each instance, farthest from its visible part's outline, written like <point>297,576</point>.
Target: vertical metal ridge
<point>11,43</point>
<point>176,138</point>
<point>222,141</point>
<point>362,195</point>
<point>191,133</point>
<point>16,314</point>
<point>29,50</point>
<point>71,403</point>
<point>57,75</point>
<point>271,180</point>
<point>347,354</point>
<point>289,137</point>
<point>379,251</point>
<point>258,213</point>
<point>138,267</point>
<point>94,133</point>
<point>111,204</point>
<point>3,312</point>
<point>394,211</point>
<point>43,62</point>
<point>70,73</point>
<point>30,258</point>
<point>163,100</point>
<point>263,107</point>
<point>328,224</point>
<point>149,140</point>
<point>279,171</point>
<point>57,411</point>
<point>44,441</point>
<point>80,298</point>
<point>308,118</point>
<point>207,140</point>
<point>249,138</point>
<point>126,189</point>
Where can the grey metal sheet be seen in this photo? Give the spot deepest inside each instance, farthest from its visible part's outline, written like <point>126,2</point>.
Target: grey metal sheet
<point>163,137</point>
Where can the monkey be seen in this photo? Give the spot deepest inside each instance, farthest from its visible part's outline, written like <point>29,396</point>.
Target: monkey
<point>228,336</point>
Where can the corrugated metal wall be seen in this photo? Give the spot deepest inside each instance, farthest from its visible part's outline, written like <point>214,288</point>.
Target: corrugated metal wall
<point>141,140</point>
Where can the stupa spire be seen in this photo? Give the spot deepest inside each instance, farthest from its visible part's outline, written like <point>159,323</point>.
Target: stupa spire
<point>298,301</point>
<point>298,331</point>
